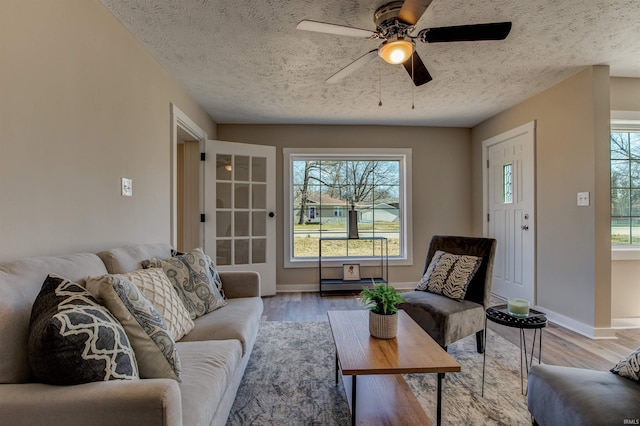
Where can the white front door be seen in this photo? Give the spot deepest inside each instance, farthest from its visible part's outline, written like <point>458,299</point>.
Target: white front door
<point>509,202</point>
<point>240,200</point>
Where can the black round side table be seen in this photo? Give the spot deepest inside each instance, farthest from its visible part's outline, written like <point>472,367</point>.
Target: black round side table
<point>536,320</point>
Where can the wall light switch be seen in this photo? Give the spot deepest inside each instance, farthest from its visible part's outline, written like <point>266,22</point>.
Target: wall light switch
<point>583,198</point>
<point>127,187</point>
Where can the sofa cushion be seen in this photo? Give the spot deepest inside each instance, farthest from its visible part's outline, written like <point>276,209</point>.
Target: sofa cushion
<point>73,339</point>
<point>155,349</point>
<point>128,259</point>
<point>239,319</point>
<point>207,369</point>
<point>575,396</point>
<point>449,274</point>
<point>190,275</point>
<point>156,287</point>
<point>629,367</point>
<point>21,281</point>
<point>442,316</point>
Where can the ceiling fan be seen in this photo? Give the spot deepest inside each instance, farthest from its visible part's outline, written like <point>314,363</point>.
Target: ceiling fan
<point>395,22</point>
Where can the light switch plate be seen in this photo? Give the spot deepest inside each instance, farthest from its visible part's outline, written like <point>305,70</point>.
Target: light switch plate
<point>127,187</point>
<point>583,199</point>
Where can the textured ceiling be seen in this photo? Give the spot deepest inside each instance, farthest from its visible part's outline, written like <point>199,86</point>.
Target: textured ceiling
<point>244,61</point>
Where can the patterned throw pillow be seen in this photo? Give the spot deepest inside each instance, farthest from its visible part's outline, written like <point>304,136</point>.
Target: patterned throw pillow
<point>190,275</point>
<point>156,287</point>
<point>74,340</point>
<point>155,349</point>
<point>449,274</point>
<point>629,367</point>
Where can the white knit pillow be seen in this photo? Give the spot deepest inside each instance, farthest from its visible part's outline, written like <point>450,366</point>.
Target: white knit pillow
<point>156,287</point>
<point>449,274</point>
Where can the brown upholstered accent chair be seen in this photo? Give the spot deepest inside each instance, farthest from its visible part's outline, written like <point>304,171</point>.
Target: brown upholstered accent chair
<point>448,320</point>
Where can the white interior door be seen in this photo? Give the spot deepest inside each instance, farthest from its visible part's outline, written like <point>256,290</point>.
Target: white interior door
<point>240,226</point>
<point>509,210</point>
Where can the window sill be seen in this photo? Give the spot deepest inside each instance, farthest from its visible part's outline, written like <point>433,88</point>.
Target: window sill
<point>625,253</point>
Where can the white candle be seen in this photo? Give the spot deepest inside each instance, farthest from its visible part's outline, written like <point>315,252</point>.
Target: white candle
<point>517,306</point>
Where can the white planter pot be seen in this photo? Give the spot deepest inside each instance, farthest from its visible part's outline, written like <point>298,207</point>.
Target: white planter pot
<point>383,326</point>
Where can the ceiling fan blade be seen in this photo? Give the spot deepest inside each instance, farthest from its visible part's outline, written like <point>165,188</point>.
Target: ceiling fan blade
<point>412,10</point>
<point>417,70</point>
<point>366,58</point>
<point>493,31</point>
<point>323,27</point>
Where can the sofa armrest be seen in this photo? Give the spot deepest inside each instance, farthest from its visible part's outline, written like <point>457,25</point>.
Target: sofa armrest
<point>240,283</point>
<point>114,402</point>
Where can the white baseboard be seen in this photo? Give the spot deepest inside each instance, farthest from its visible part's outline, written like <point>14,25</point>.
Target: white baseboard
<point>631,322</point>
<point>308,288</point>
<point>580,328</point>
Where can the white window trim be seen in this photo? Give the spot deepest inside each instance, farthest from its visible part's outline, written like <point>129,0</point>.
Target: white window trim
<point>405,180</point>
<point>621,121</point>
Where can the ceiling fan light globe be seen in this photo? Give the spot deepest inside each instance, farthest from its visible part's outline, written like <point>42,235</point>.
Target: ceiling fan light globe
<point>396,52</point>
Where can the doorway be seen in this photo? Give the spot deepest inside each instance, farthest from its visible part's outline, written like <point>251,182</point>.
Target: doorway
<point>509,210</point>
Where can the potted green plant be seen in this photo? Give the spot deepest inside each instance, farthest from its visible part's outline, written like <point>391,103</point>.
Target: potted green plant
<point>382,301</point>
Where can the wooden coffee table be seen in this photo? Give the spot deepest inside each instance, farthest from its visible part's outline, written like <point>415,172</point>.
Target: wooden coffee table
<point>383,395</point>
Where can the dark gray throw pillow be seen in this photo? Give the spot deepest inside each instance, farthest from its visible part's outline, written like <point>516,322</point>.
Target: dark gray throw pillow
<point>74,340</point>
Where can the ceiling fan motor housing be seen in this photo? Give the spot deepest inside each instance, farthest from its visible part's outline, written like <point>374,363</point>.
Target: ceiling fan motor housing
<point>387,23</point>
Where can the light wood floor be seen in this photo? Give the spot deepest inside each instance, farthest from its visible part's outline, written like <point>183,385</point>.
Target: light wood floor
<point>559,345</point>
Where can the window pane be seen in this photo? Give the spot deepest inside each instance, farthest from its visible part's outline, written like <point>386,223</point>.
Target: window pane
<point>634,141</point>
<point>635,230</point>
<point>634,167</point>
<point>507,183</point>
<point>241,168</point>
<point>325,190</point>
<point>259,169</point>
<point>223,167</point>
<point>619,145</point>
<point>620,174</point>
<point>620,202</point>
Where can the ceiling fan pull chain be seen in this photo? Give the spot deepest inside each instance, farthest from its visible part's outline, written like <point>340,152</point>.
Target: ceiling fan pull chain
<point>413,87</point>
<point>379,85</point>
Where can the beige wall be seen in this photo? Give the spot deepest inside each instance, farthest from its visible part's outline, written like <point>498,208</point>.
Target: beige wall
<point>82,104</point>
<point>572,155</point>
<point>441,179</point>
<point>625,274</point>
<point>625,94</point>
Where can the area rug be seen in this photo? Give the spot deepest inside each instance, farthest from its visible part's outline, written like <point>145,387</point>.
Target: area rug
<point>290,380</point>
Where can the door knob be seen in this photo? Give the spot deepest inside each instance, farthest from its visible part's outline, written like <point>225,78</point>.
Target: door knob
<point>272,214</point>
<point>525,227</point>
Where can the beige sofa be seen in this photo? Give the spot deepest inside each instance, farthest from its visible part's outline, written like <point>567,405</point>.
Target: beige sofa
<point>213,355</point>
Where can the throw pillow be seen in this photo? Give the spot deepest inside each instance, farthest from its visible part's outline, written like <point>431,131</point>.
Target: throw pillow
<point>74,340</point>
<point>151,341</point>
<point>449,274</point>
<point>629,367</point>
<point>156,287</point>
<point>190,275</point>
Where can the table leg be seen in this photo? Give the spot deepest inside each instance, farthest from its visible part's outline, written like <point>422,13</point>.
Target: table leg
<point>353,400</point>
<point>336,367</point>
<point>484,353</point>
<point>439,406</point>
<point>525,359</point>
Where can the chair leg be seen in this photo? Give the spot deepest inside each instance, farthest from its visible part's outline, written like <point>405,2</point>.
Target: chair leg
<point>480,341</point>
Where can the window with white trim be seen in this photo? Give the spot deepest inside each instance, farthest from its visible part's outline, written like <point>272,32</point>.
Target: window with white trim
<point>625,182</point>
<point>324,185</point>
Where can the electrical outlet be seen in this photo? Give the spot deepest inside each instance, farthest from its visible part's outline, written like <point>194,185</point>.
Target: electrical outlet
<point>583,199</point>
<point>127,187</point>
